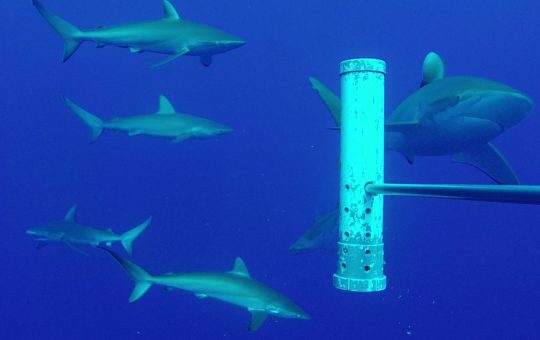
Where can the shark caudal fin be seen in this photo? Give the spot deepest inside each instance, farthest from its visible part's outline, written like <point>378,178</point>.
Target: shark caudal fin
<point>330,100</point>
<point>129,236</point>
<point>94,123</point>
<point>140,276</point>
<point>72,35</point>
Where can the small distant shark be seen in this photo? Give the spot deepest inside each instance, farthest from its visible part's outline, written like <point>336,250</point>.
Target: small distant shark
<point>169,35</point>
<point>318,235</point>
<point>235,287</point>
<point>71,233</point>
<point>166,122</point>
<point>456,116</point>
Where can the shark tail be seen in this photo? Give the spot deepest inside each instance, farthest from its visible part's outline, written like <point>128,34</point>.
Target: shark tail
<point>129,236</point>
<point>140,276</point>
<point>72,35</point>
<point>94,123</point>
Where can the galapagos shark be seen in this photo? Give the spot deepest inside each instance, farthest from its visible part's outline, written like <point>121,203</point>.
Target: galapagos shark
<point>236,287</point>
<point>72,233</point>
<point>456,116</point>
<point>166,122</point>
<point>318,235</point>
<point>169,35</point>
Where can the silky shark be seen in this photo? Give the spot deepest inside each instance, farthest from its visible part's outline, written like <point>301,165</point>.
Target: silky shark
<point>236,287</point>
<point>318,235</point>
<point>71,233</point>
<point>456,116</point>
<point>169,35</point>
<point>166,122</point>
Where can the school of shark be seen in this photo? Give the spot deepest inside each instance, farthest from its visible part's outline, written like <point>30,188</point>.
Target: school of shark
<point>456,116</point>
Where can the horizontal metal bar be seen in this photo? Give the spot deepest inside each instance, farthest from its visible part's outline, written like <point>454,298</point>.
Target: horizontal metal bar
<point>522,194</point>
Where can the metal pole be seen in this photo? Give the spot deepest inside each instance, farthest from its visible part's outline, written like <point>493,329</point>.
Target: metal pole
<point>360,246</point>
<point>524,194</point>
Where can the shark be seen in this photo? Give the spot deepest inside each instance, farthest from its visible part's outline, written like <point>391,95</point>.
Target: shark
<point>169,35</point>
<point>166,122</point>
<point>457,116</point>
<point>318,235</point>
<point>70,232</point>
<point>236,287</point>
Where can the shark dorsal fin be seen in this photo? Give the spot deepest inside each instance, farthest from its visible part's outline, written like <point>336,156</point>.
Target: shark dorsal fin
<point>165,106</point>
<point>169,12</point>
<point>70,216</point>
<point>432,69</point>
<point>240,268</point>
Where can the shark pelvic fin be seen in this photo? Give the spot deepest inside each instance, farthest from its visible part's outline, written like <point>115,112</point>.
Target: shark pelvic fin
<point>165,106</point>
<point>70,215</point>
<point>169,12</point>
<point>240,268</point>
<point>171,58</point>
<point>490,161</point>
<point>257,319</point>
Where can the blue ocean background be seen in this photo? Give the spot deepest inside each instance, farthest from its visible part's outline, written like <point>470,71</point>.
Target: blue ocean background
<point>456,269</point>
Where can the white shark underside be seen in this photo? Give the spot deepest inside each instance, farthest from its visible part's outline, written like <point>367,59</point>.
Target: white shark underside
<point>235,287</point>
<point>68,231</point>
<point>169,35</point>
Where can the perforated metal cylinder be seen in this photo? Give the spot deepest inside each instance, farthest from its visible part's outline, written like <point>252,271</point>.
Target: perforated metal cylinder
<point>360,245</point>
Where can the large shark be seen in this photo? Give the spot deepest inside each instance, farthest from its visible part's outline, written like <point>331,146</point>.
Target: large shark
<point>236,287</point>
<point>318,235</point>
<point>169,35</point>
<point>72,233</point>
<point>456,116</point>
<point>166,122</point>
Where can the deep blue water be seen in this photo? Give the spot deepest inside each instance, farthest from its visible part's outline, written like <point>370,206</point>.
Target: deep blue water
<point>456,270</point>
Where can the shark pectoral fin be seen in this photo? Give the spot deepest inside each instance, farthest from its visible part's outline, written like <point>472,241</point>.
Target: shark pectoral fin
<point>490,161</point>
<point>135,50</point>
<point>206,60</point>
<point>171,58</point>
<point>400,126</point>
<point>200,295</point>
<point>179,139</point>
<point>257,319</point>
<point>134,132</point>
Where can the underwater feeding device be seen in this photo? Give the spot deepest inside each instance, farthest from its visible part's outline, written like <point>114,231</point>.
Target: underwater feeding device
<point>360,245</point>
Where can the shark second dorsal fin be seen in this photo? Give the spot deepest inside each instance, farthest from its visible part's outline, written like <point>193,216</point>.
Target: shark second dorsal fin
<point>165,106</point>
<point>70,216</point>
<point>169,12</point>
<point>240,268</point>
